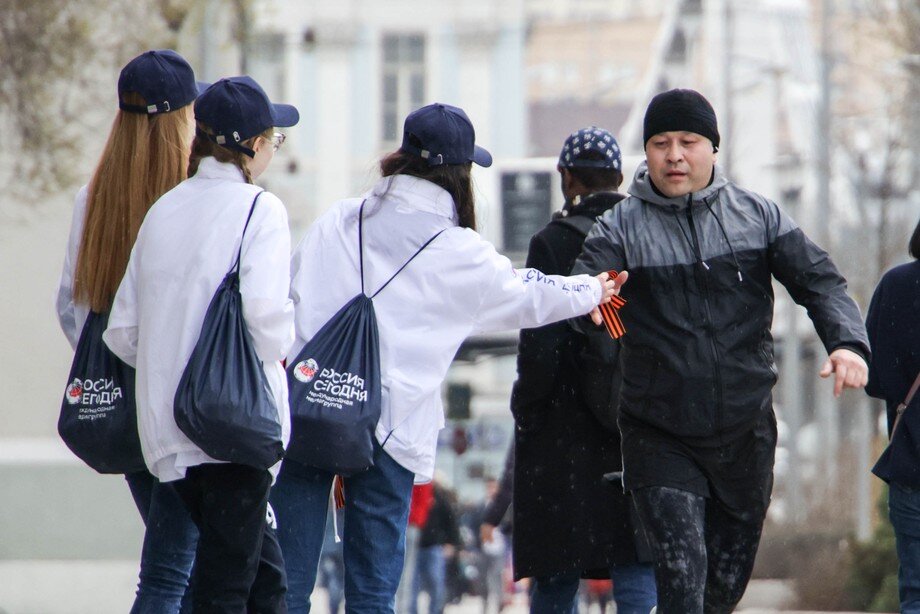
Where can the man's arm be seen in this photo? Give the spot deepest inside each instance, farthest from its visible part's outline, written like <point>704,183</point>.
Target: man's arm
<point>603,250</point>
<point>604,247</point>
<point>814,282</point>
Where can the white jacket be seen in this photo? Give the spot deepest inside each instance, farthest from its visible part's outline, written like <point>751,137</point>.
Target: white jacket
<point>186,245</point>
<point>458,286</point>
<point>72,316</point>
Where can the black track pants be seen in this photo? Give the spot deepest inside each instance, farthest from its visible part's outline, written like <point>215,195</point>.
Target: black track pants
<point>703,555</point>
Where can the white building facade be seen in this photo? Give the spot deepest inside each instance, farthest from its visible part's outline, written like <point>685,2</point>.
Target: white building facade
<point>356,68</point>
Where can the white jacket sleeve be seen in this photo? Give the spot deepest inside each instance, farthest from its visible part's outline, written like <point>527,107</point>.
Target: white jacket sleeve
<point>66,308</point>
<point>265,280</point>
<point>121,334</point>
<point>525,298</point>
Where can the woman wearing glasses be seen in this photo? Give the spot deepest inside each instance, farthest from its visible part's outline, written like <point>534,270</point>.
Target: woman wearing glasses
<point>188,242</point>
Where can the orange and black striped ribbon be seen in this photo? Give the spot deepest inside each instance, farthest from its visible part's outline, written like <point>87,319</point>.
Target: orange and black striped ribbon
<point>611,318</point>
<point>339,492</point>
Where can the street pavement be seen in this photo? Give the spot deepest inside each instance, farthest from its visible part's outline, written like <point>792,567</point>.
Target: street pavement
<point>107,587</point>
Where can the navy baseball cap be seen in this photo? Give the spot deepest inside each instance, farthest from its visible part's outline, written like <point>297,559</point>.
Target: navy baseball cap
<point>443,134</point>
<point>162,78</point>
<point>587,139</point>
<point>237,108</point>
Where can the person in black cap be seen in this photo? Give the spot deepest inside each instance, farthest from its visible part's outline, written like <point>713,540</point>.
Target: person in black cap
<point>569,523</point>
<point>696,413</point>
<point>187,244</point>
<point>456,285</point>
<point>145,156</point>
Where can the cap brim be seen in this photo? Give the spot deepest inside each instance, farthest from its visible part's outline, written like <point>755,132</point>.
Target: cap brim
<point>481,156</point>
<point>285,115</point>
<point>202,86</point>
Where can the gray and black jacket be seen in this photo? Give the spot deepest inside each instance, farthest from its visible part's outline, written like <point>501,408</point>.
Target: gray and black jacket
<point>698,354</point>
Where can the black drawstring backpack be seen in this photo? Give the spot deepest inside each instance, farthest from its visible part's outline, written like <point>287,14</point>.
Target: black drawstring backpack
<point>334,384</point>
<point>98,420</point>
<point>223,402</point>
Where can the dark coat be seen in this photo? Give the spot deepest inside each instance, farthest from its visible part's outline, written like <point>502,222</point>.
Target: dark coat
<point>566,515</point>
<point>893,323</point>
<point>698,353</point>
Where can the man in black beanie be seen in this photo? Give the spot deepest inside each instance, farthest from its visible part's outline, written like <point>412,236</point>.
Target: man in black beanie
<point>696,409</point>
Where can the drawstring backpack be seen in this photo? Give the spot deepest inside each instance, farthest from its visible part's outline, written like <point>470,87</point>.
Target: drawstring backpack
<point>334,384</point>
<point>98,419</point>
<point>223,402</point>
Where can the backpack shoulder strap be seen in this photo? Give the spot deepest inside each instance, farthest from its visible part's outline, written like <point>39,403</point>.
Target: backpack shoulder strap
<point>417,252</point>
<point>361,252</point>
<point>236,265</point>
<point>913,391</point>
<point>902,407</point>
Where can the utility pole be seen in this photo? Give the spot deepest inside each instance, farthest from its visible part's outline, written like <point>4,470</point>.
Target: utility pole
<point>822,216</point>
<point>822,224</point>
<point>207,67</point>
<point>728,26</point>
<point>244,32</point>
<point>789,185</point>
<point>863,418</point>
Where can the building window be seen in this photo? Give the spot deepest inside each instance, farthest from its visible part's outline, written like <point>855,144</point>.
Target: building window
<point>403,87</point>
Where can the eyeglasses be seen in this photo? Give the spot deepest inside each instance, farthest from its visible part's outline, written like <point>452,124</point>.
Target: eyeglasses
<point>277,140</point>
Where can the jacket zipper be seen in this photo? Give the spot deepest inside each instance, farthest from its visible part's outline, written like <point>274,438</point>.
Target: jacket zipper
<point>710,329</point>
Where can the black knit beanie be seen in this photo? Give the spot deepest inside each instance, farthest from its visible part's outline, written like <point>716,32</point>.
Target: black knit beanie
<point>680,110</point>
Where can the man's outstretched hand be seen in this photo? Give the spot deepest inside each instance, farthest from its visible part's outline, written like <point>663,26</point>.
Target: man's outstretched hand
<point>849,369</point>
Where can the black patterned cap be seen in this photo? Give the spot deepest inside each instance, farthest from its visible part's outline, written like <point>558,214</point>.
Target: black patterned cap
<point>589,139</point>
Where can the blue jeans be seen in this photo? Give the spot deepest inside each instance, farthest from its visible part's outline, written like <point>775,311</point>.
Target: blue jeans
<point>633,590</point>
<point>169,547</point>
<point>376,513</point>
<point>904,512</point>
<point>430,577</point>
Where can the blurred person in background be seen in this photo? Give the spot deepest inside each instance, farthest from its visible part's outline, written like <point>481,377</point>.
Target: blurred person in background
<point>419,507</point>
<point>438,541</point>
<point>332,563</point>
<point>146,155</point>
<point>893,323</point>
<point>569,522</point>
<point>696,406</point>
<point>492,540</point>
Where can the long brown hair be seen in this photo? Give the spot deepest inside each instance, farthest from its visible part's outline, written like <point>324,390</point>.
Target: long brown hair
<point>145,157</point>
<point>457,179</point>
<point>202,147</point>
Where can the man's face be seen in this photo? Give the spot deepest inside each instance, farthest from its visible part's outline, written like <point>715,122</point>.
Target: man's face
<point>679,162</point>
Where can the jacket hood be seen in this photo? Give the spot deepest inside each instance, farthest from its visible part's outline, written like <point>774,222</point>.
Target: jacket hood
<point>642,189</point>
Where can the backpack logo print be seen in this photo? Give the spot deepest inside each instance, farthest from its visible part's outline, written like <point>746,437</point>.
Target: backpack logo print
<point>306,370</point>
<point>74,391</point>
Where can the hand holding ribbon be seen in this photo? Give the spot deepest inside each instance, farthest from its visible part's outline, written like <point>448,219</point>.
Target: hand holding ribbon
<point>611,302</point>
